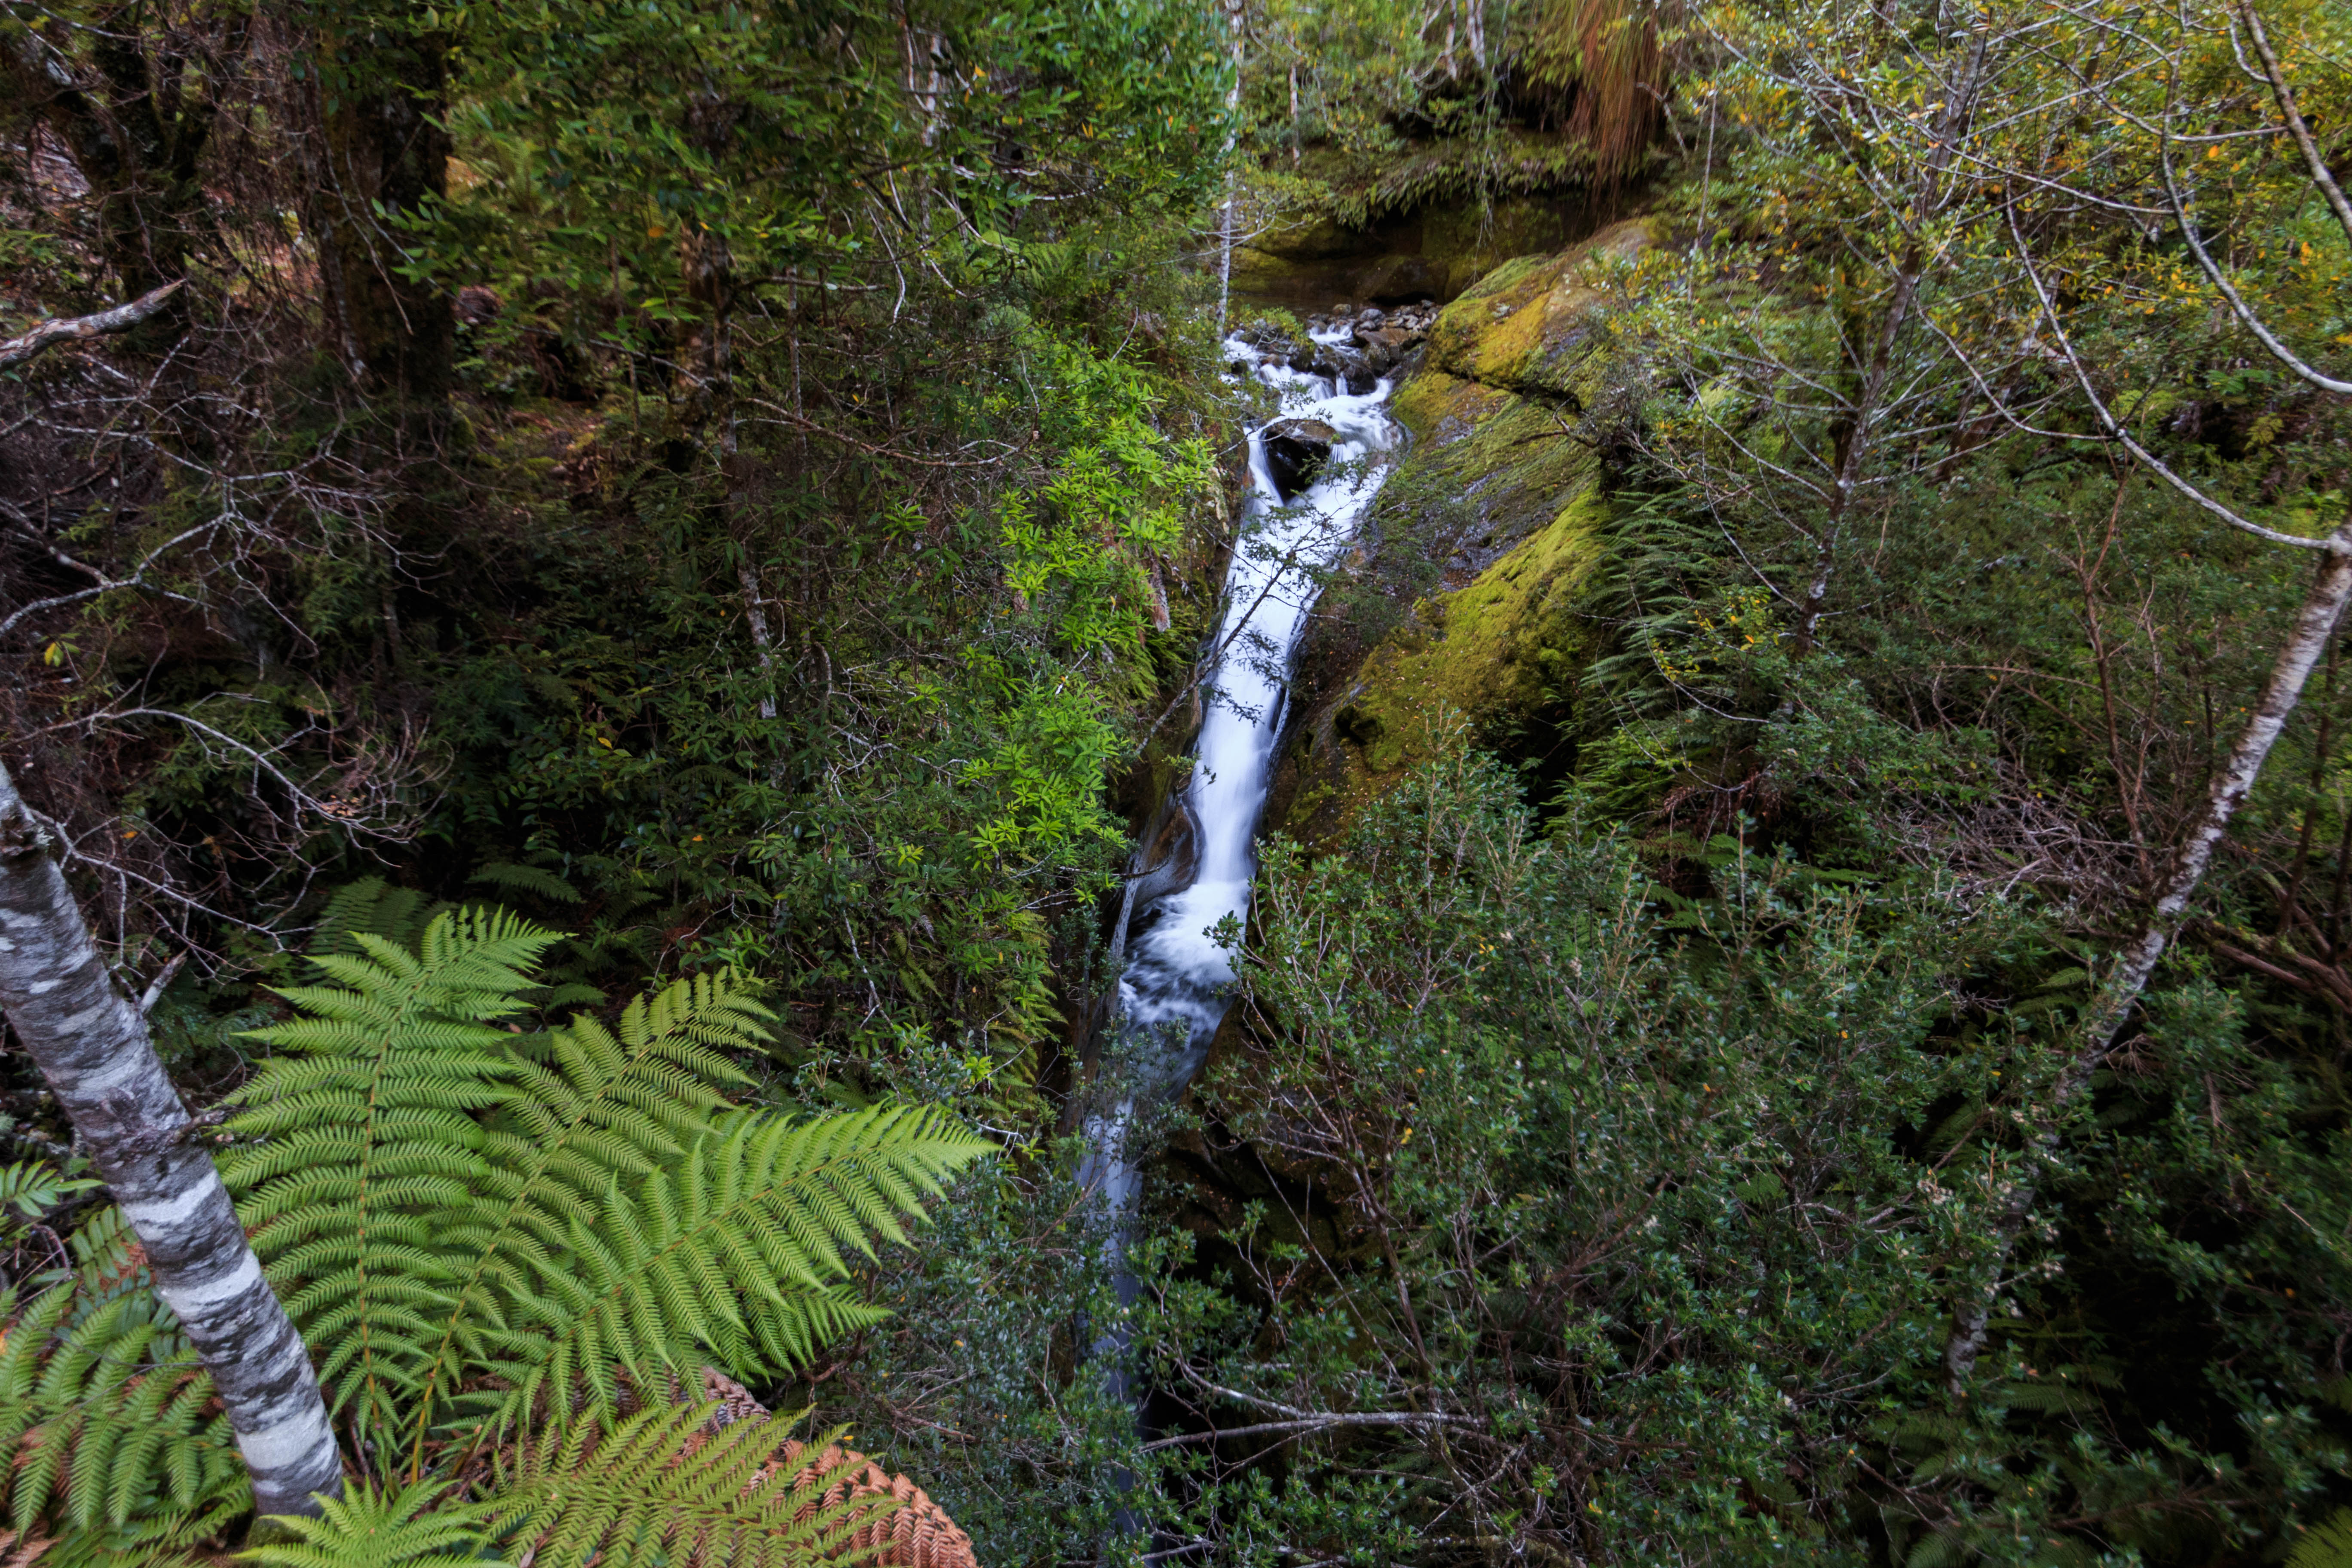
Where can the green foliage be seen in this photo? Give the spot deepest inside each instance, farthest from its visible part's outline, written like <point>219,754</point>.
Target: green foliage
<point>483,1233</point>
<point>102,1398</point>
<point>394,1527</point>
<point>439,1199</point>
<point>1627,1196</point>
<point>1603,1216</point>
<point>649,1489</point>
<point>616,1498</point>
<point>2324,1545</point>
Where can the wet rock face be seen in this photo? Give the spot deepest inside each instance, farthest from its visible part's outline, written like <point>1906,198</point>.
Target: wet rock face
<point>1295,451</point>
<point>1495,392</point>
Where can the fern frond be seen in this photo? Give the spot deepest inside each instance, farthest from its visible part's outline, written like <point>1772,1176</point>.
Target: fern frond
<point>2325,1545</point>
<point>366,1122</point>
<point>528,880</point>
<point>463,1218</point>
<point>656,1490</point>
<point>409,1527</point>
<point>918,1533</point>
<point>585,1107</point>
<point>28,1188</point>
<point>737,1250</point>
<point>370,906</point>
<point>108,1418</point>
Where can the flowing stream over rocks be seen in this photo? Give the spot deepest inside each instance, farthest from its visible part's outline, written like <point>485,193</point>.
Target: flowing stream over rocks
<point>1178,930</point>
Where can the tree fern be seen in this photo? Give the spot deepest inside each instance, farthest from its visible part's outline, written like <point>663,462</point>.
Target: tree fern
<point>2324,1545</point>
<point>366,1115</point>
<point>469,1221</point>
<point>483,1234</point>
<point>409,1527</point>
<point>106,1411</point>
<point>735,1253</point>
<point>587,1106</point>
<point>657,1490</point>
<point>372,907</point>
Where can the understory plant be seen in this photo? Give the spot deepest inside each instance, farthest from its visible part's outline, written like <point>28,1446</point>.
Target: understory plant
<point>1545,1207</point>
<point>513,1252</point>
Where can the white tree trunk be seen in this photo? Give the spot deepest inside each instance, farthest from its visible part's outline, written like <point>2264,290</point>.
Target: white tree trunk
<point>2315,625</point>
<point>91,1045</point>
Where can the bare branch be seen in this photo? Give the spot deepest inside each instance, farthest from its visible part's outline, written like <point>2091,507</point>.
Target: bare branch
<point>121,319</point>
<point>2295,121</point>
<point>2335,543</point>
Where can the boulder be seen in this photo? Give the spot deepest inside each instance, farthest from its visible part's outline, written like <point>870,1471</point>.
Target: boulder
<point>1295,451</point>
<point>1385,345</point>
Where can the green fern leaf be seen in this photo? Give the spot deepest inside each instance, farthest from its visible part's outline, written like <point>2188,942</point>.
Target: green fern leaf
<point>366,1127</point>
<point>104,1406</point>
<point>370,906</point>
<point>656,1491</point>
<point>408,1527</point>
<point>736,1252</point>
<point>528,880</point>
<point>2326,1545</point>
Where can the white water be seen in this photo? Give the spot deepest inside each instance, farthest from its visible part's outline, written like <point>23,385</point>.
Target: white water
<point>1174,991</point>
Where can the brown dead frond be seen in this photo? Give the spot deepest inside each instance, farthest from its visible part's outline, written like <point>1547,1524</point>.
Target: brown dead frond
<point>915,1533</point>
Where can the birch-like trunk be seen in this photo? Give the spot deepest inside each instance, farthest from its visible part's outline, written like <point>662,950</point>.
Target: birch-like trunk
<point>91,1045</point>
<point>2315,625</point>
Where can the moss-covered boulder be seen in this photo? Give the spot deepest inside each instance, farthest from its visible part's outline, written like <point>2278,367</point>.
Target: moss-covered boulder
<point>1480,659</point>
<point>1528,325</point>
<point>1493,410</point>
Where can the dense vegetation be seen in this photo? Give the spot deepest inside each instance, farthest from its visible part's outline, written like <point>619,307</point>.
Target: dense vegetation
<point>594,653</point>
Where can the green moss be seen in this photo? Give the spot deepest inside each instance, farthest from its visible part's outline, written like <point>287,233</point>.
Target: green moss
<point>1527,324</point>
<point>1498,649</point>
<point>1493,411</point>
<point>1442,408</point>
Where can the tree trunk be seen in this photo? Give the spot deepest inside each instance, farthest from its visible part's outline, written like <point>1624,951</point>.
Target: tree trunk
<point>381,97</point>
<point>137,138</point>
<point>2314,628</point>
<point>91,1046</point>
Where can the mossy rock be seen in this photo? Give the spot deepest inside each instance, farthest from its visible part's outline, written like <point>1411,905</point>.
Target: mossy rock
<point>1430,253</point>
<point>1527,324</point>
<point>1484,658</point>
<point>1492,411</point>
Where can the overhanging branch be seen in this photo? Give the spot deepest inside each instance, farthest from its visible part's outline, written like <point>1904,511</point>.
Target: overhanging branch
<point>121,319</point>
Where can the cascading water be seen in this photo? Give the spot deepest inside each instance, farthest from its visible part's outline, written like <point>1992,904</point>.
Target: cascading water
<point>1172,994</point>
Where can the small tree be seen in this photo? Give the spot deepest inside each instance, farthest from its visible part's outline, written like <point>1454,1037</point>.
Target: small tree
<point>91,1046</point>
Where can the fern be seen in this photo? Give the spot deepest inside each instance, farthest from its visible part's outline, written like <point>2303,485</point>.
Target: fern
<point>368,1118</point>
<point>30,1188</point>
<point>736,1252</point>
<point>656,1492</point>
<point>396,1528</point>
<point>370,907</point>
<point>468,1221</point>
<point>2325,1545</point>
<point>528,880</point>
<point>103,1404</point>
<point>481,1232</point>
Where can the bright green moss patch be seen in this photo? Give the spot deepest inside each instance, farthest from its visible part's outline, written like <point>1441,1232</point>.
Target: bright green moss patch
<point>1502,647</point>
<point>1526,325</point>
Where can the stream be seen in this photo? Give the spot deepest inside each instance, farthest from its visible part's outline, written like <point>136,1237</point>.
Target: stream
<point>1176,986</point>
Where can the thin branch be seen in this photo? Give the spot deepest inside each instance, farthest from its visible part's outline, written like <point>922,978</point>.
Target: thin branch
<point>2335,543</point>
<point>2295,121</point>
<point>1314,1424</point>
<point>121,319</point>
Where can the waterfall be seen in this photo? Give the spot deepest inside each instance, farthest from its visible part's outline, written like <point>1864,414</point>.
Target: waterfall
<point>1173,993</point>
